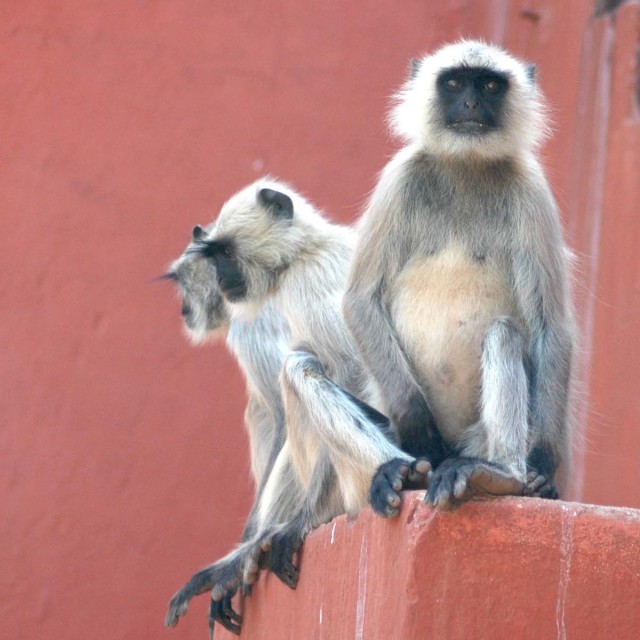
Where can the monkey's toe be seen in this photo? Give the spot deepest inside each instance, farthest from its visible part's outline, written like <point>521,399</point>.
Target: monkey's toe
<point>539,486</point>
<point>441,492</point>
<point>222,612</point>
<point>457,480</point>
<point>487,480</point>
<point>177,607</point>
<point>256,558</point>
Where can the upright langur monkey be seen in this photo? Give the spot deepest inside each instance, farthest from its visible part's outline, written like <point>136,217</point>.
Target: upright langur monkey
<point>458,297</point>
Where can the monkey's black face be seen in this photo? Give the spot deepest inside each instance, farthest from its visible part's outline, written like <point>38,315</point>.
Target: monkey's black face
<point>472,99</point>
<point>229,274</point>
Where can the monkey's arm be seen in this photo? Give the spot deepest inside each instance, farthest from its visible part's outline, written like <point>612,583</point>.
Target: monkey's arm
<point>381,250</point>
<point>541,276</point>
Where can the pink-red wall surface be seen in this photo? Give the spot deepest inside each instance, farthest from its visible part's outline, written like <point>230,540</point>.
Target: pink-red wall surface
<point>512,569</point>
<point>123,463</point>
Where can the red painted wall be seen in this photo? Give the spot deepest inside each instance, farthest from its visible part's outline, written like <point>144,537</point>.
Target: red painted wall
<point>512,569</point>
<point>123,461</point>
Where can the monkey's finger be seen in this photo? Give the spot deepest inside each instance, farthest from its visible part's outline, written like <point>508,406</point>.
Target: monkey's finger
<point>382,498</point>
<point>434,488</point>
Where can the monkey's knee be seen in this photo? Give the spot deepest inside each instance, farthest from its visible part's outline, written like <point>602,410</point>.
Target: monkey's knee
<point>503,338</point>
<point>299,365</point>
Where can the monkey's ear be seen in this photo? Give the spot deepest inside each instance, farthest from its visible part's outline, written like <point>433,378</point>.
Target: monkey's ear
<point>198,232</point>
<point>531,73</point>
<point>280,204</point>
<point>414,67</point>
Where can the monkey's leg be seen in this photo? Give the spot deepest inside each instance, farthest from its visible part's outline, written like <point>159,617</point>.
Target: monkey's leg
<point>284,496</point>
<point>281,542</point>
<point>550,402</point>
<point>359,437</point>
<point>224,575</point>
<point>494,451</point>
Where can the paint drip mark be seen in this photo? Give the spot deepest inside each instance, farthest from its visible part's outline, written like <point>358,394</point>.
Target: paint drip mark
<point>566,554</point>
<point>362,590</point>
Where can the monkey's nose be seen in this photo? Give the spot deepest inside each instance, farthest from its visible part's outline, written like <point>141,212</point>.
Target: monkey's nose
<point>471,104</point>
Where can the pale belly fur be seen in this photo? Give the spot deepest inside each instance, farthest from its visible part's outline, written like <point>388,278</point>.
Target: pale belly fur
<point>443,306</point>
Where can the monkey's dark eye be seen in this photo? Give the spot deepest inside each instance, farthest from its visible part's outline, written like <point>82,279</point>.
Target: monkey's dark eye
<point>227,251</point>
<point>453,84</point>
<point>491,86</point>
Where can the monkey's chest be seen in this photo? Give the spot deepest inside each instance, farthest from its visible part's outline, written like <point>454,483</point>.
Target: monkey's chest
<point>443,306</point>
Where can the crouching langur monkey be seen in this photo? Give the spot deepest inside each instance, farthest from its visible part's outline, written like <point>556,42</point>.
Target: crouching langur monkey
<point>260,344</point>
<point>270,246</point>
<point>276,263</point>
<point>459,296</point>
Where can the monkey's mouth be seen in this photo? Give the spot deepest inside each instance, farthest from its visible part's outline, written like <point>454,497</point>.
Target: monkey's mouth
<point>470,126</point>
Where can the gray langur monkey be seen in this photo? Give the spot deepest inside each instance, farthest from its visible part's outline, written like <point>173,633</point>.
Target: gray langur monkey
<point>459,294</point>
<point>270,244</point>
<point>259,344</point>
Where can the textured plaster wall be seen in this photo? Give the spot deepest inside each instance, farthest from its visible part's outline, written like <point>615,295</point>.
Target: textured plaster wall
<point>123,464</point>
<point>514,569</point>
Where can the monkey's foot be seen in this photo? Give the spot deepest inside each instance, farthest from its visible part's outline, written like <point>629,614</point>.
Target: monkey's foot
<point>222,612</point>
<point>285,545</point>
<point>539,486</point>
<point>457,480</point>
<point>223,579</point>
<point>391,478</point>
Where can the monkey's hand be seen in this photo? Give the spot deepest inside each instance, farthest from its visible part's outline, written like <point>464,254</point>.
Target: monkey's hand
<point>539,486</point>
<point>457,480</point>
<point>391,478</point>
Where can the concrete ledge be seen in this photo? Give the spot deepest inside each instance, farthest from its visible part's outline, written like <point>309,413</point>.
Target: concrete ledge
<point>513,568</point>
